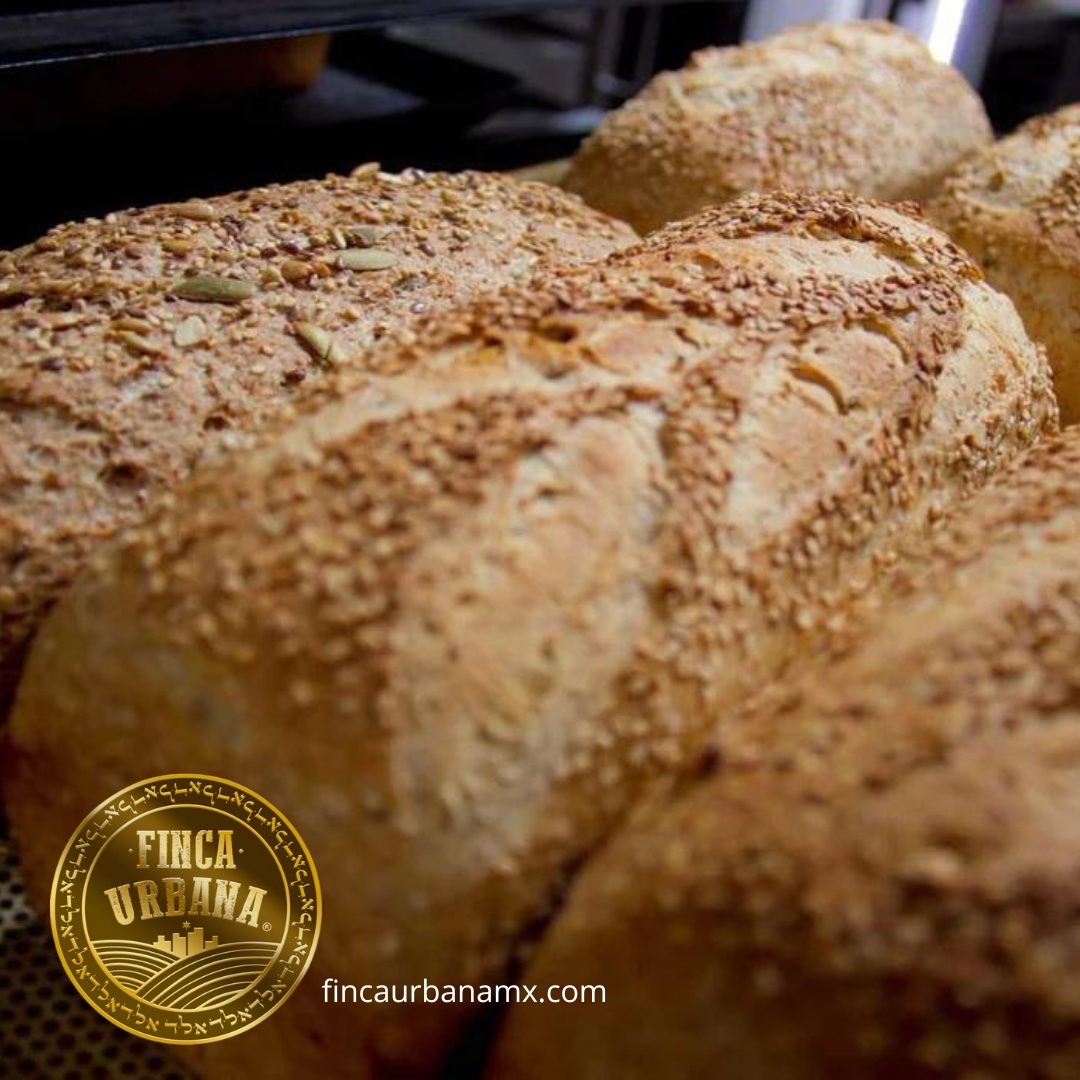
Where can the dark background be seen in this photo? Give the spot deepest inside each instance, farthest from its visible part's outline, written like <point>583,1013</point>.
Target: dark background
<point>483,83</point>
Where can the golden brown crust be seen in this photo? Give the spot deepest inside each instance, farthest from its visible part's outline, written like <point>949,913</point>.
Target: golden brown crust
<point>861,107</point>
<point>455,616</point>
<point>1016,208</point>
<point>881,877</point>
<point>112,386</point>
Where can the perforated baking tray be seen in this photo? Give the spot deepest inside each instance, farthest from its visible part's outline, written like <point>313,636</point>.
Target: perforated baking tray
<point>46,1030</point>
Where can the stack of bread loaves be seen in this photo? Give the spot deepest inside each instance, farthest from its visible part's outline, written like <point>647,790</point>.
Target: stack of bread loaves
<point>132,346</point>
<point>458,614</point>
<point>1016,208</point>
<point>565,505</point>
<point>882,875</point>
<point>861,107</point>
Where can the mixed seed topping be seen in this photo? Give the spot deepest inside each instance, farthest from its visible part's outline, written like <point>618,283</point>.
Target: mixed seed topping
<point>150,336</point>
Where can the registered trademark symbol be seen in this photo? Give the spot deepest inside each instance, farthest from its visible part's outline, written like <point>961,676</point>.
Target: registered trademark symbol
<point>267,927</point>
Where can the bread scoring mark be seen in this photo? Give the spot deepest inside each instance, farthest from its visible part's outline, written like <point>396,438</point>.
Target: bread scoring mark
<point>881,876</point>
<point>487,699</point>
<point>295,572</point>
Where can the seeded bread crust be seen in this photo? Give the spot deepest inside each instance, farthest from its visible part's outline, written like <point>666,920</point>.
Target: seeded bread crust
<point>881,876</point>
<point>112,386</point>
<point>455,617</point>
<point>861,107</point>
<point>1016,208</point>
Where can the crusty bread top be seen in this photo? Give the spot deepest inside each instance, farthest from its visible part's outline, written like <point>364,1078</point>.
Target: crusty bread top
<point>862,107</point>
<point>1019,200</point>
<point>974,612</point>
<point>460,611</point>
<point>879,874</point>
<point>739,291</point>
<point>865,327</point>
<point>113,383</point>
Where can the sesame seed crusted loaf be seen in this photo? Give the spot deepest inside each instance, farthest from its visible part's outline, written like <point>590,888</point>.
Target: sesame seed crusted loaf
<point>133,345</point>
<point>1016,208</point>
<point>455,617</point>
<point>862,107</point>
<point>881,875</point>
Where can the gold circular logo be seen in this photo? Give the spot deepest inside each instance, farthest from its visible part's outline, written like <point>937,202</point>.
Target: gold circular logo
<point>186,909</point>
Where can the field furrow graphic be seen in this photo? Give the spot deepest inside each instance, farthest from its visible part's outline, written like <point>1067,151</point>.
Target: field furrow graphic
<point>131,963</point>
<point>202,980</point>
<point>191,982</point>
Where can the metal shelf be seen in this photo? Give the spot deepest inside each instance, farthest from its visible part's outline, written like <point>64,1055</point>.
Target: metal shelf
<point>48,32</point>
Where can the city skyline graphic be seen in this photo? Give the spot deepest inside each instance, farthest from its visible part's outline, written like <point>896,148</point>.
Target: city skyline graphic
<point>181,946</point>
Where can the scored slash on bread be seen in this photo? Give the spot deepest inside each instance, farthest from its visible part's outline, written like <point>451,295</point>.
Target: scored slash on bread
<point>880,875</point>
<point>462,609</point>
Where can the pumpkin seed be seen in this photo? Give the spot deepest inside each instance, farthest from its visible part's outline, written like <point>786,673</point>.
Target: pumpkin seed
<point>215,290</point>
<point>367,259</point>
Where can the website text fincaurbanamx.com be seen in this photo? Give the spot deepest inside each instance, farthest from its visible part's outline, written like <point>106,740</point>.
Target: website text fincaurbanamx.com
<point>379,994</point>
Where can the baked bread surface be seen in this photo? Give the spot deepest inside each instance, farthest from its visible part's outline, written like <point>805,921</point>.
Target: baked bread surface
<point>456,616</point>
<point>1016,208</point>
<point>861,107</point>
<point>879,877</point>
<point>113,382</point>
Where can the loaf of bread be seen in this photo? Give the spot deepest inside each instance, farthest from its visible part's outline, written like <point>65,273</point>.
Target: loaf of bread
<point>881,877</point>
<point>134,344</point>
<point>861,107</point>
<point>455,618</point>
<point>1016,208</point>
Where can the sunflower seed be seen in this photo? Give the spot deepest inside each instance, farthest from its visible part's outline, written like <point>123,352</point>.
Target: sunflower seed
<point>196,210</point>
<point>219,290</point>
<point>317,341</point>
<point>367,235</point>
<point>137,326</point>
<point>137,343</point>
<point>368,169</point>
<point>321,344</point>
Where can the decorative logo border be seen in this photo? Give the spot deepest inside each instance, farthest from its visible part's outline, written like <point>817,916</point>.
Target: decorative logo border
<point>120,1005</point>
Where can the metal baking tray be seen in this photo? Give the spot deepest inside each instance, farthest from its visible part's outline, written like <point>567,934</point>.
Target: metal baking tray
<point>54,30</point>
